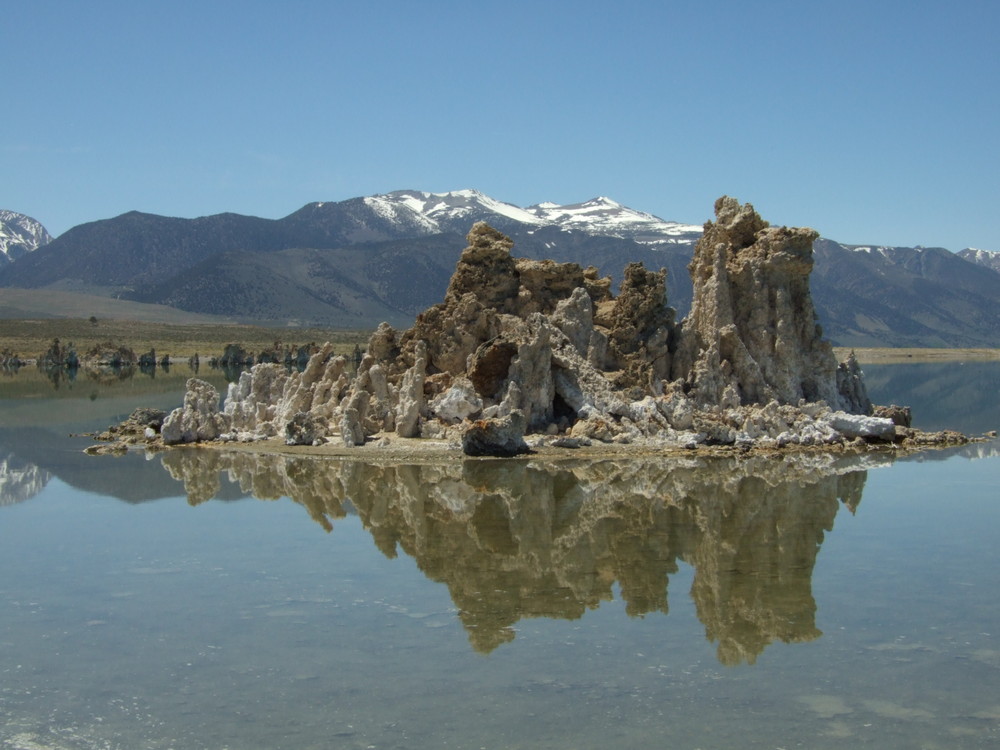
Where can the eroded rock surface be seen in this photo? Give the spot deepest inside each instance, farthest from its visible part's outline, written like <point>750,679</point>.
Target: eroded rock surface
<point>545,350</point>
<point>752,335</point>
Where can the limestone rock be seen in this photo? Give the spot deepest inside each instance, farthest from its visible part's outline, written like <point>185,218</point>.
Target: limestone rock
<point>502,436</point>
<point>489,365</point>
<point>486,270</point>
<point>458,402</point>
<point>641,326</point>
<point>574,316</point>
<point>752,327</point>
<point>543,347</point>
<point>901,416</point>
<point>851,386</point>
<point>382,344</point>
<point>199,419</point>
<point>411,395</point>
<point>861,426</point>
<point>304,429</point>
<point>352,422</point>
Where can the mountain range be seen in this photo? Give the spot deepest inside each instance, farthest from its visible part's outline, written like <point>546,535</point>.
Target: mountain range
<point>357,262</point>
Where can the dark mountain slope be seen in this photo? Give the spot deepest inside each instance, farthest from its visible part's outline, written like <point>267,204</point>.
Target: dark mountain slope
<point>135,249</point>
<point>355,287</point>
<point>354,263</point>
<point>904,297</point>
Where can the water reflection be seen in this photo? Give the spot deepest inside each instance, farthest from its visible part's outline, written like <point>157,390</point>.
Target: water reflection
<point>520,539</point>
<point>20,480</point>
<point>944,395</point>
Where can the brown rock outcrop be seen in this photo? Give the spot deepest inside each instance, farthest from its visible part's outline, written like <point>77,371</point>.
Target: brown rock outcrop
<point>549,341</point>
<point>752,334</point>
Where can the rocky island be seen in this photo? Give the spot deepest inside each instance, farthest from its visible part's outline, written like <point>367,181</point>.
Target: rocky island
<point>528,355</point>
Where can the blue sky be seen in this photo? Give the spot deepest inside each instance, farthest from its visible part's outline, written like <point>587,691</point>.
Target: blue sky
<point>872,122</point>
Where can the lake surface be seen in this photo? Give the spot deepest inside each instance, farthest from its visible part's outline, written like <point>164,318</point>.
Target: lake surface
<point>195,599</point>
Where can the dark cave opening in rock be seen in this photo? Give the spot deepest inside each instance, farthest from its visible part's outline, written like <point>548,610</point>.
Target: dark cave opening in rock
<point>562,410</point>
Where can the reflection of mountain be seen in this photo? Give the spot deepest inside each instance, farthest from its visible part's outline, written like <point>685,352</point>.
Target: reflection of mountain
<point>19,479</point>
<point>515,539</point>
<point>944,395</point>
<point>51,454</point>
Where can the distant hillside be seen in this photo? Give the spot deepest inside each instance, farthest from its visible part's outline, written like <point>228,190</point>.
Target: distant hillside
<point>892,296</point>
<point>48,303</point>
<point>355,263</point>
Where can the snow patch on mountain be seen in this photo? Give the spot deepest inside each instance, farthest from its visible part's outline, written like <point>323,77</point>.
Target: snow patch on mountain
<point>404,212</point>
<point>20,234</point>
<point>456,210</point>
<point>987,258</point>
<point>605,216</point>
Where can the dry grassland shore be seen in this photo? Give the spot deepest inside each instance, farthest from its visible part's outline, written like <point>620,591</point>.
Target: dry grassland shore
<point>29,339</point>
<point>886,356</point>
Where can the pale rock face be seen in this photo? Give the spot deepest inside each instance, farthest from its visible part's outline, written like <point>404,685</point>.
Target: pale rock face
<point>252,402</point>
<point>532,371</point>
<point>861,426</point>
<point>198,419</point>
<point>458,402</point>
<point>411,394</point>
<point>574,316</point>
<point>352,421</point>
<point>267,398</point>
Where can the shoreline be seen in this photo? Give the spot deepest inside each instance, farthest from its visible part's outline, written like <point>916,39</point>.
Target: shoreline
<point>864,355</point>
<point>391,449</point>
<point>906,355</point>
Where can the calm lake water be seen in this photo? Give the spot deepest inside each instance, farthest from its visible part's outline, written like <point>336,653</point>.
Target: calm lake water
<point>204,600</point>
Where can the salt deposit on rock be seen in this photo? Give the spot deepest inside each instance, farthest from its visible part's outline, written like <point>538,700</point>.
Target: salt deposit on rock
<point>523,347</point>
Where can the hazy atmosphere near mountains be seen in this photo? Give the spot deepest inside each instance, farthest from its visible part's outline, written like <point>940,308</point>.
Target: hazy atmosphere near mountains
<point>873,122</point>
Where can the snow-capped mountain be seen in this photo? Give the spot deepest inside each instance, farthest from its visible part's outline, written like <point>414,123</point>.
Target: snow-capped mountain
<point>455,211</point>
<point>20,234</point>
<point>988,258</point>
<point>441,212</point>
<point>604,216</point>
<point>358,262</point>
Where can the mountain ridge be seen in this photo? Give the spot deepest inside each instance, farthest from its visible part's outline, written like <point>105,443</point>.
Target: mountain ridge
<point>356,262</point>
<point>986,258</point>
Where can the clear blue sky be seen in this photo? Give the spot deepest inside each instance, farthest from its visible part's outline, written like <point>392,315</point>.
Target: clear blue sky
<point>872,122</point>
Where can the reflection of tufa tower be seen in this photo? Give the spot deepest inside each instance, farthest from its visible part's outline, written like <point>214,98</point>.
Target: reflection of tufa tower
<point>753,546</point>
<point>516,539</point>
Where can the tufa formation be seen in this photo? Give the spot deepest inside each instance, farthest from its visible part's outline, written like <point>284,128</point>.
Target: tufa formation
<point>523,354</point>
